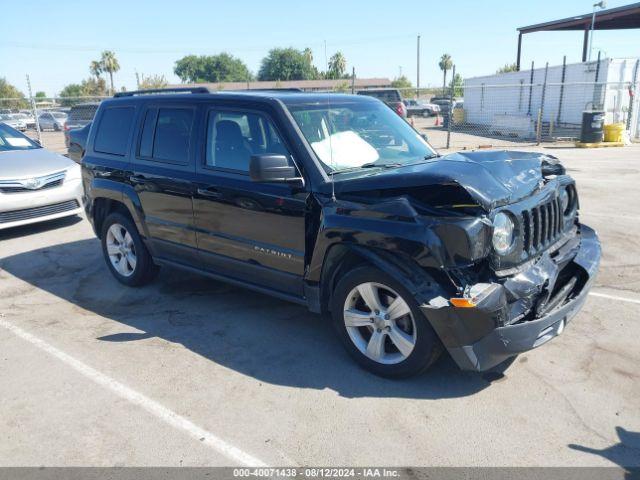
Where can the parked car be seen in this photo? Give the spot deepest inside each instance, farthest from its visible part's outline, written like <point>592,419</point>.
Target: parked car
<point>336,203</point>
<point>458,115</point>
<point>77,142</point>
<point>52,121</point>
<point>390,96</point>
<point>35,184</point>
<point>79,116</point>
<point>420,108</point>
<point>28,119</point>
<point>13,122</point>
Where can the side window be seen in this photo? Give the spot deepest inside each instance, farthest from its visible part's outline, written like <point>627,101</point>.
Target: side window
<point>232,137</point>
<point>166,135</point>
<point>113,131</point>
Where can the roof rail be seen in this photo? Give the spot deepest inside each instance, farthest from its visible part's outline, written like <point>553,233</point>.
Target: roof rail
<point>163,90</point>
<point>275,89</point>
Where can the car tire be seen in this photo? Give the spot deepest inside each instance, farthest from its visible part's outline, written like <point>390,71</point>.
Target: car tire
<point>125,253</point>
<point>410,326</point>
<point>56,127</point>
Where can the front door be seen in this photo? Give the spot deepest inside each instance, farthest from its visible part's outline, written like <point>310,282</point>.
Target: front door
<point>253,232</point>
<point>163,175</point>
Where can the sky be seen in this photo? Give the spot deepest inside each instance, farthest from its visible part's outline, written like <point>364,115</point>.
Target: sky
<point>54,41</point>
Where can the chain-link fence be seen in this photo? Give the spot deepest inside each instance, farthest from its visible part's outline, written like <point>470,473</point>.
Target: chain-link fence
<point>475,114</point>
<point>46,119</point>
<point>521,114</point>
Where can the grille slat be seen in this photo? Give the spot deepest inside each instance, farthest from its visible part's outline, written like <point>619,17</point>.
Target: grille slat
<point>36,212</point>
<point>542,225</point>
<point>53,184</point>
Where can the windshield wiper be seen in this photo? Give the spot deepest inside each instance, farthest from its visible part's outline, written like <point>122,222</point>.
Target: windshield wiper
<point>368,165</point>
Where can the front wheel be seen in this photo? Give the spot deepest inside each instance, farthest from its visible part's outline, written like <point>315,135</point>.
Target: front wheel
<point>126,255</point>
<point>381,325</point>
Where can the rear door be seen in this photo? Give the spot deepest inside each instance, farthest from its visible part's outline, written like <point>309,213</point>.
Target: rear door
<point>163,171</point>
<point>253,232</point>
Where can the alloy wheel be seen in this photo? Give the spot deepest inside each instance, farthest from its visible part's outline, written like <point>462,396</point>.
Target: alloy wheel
<point>380,323</point>
<point>121,250</point>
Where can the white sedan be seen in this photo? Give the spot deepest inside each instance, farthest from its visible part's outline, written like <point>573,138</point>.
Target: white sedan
<point>35,184</point>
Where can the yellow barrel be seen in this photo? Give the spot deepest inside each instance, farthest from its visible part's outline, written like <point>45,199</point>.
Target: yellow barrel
<point>613,132</point>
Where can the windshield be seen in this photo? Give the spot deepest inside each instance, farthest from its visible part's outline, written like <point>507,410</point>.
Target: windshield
<point>59,115</point>
<point>353,135</point>
<point>11,139</point>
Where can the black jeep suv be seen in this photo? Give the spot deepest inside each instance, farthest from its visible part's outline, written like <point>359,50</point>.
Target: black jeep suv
<point>334,202</point>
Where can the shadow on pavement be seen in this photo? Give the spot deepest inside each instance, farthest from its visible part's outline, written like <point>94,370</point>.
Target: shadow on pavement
<point>266,338</point>
<point>625,453</point>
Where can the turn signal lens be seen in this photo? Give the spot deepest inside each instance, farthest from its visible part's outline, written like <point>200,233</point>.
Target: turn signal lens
<point>462,302</point>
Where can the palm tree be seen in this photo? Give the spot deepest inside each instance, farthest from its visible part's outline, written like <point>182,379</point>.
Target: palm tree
<point>308,54</point>
<point>445,64</point>
<point>337,65</point>
<point>110,65</point>
<point>95,67</point>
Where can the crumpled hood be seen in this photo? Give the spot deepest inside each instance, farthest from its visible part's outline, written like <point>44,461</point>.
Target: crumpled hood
<point>18,164</point>
<point>492,178</point>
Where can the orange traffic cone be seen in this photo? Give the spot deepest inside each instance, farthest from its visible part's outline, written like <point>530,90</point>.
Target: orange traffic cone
<point>437,120</point>
<point>413,123</point>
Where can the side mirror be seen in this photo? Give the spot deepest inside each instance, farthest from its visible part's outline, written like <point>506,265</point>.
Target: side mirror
<point>273,169</point>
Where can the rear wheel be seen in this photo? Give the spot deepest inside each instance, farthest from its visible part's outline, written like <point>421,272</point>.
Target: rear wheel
<point>381,325</point>
<point>126,255</point>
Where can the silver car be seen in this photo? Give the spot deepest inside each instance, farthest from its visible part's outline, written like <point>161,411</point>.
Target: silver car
<point>35,184</point>
<point>11,120</point>
<point>52,121</point>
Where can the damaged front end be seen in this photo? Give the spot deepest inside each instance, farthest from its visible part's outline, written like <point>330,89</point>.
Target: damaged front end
<point>489,304</point>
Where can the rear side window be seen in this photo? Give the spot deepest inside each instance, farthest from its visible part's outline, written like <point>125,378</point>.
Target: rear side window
<point>166,135</point>
<point>113,131</point>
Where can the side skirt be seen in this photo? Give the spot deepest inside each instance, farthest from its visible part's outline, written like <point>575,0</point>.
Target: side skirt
<point>233,281</point>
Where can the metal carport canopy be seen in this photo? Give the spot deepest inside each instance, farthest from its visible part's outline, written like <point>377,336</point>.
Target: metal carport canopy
<point>618,18</point>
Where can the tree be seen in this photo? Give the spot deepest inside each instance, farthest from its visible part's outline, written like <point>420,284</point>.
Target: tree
<point>508,67</point>
<point>77,92</point>
<point>287,64</point>
<point>212,68</point>
<point>95,67</point>
<point>401,82</point>
<point>456,84</point>
<point>337,66</point>
<point>8,91</point>
<point>110,65</point>
<point>445,65</point>
<point>153,82</point>
<point>40,96</point>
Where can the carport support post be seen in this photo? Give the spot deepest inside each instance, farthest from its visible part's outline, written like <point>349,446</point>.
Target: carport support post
<point>519,51</point>
<point>453,85</point>
<point>33,110</point>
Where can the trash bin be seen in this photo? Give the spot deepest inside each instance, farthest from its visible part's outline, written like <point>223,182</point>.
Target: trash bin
<point>614,132</point>
<point>592,127</point>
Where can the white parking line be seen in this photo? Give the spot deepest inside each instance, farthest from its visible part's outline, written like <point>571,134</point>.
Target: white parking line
<point>614,297</point>
<point>151,406</point>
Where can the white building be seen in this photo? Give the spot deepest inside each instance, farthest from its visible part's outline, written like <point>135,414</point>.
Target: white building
<point>509,103</point>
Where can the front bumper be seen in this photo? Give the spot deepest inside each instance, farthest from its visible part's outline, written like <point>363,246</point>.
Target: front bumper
<point>17,209</point>
<point>474,337</point>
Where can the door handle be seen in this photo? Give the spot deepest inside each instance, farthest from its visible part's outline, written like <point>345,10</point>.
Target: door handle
<point>138,179</point>
<point>209,192</point>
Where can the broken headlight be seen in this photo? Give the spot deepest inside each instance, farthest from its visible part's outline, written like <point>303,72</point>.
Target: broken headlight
<point>502,233</point>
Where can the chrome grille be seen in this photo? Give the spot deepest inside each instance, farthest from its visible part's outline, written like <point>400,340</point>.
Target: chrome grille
<point>543,225</point>
<point>32,184</point>
<point>36,212</point>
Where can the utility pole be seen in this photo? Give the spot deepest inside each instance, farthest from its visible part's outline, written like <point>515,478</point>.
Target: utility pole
<point>33,110</point>
<point>137,80</point>
<point>353,80</point>
<point>418,70</point>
